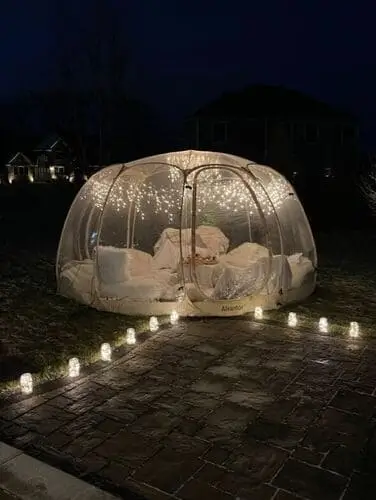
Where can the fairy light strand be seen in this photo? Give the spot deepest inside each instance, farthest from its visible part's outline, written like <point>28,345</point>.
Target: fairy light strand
<point>215,187</point>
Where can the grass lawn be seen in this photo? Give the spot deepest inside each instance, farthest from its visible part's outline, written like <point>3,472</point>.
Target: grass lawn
<point>346,289</point>
<point>40,331</point>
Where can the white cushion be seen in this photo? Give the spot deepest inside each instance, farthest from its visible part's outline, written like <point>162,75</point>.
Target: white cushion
<point>213,239</point>
<point>235,282</point>
<point>139,288</point>
<point>168,255</point>
<point>166,276</point>
<point>77,280</point>
<point>280,274</point>
<point>300,266</point>
<point>173,235</point>
<point>118,264</point>
<point>244,254</point>
<point>86,263</point>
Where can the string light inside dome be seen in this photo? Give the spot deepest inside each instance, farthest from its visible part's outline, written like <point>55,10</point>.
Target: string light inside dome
<point>145,189</point>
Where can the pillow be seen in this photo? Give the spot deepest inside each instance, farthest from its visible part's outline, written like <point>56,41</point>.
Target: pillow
<point>300,267</point>
<point>168,255</point>
<point>173,235</point>
<point>139,288</point>
<point>244,254</point>
<point>213,239</point>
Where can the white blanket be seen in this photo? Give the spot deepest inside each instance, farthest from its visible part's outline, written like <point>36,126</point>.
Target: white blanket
<point>280,274</point>
<point>168,255</point>
<point>209,242</point>
<point>300,267</point>
<point>140,288</point>
<point>235,281</point>
<point>244,254</point>
<point>77,282</point>
<point>173,235</point>
<point>213,239</point>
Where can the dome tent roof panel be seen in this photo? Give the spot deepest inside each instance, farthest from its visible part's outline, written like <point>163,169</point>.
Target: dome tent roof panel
<point>188,160</point>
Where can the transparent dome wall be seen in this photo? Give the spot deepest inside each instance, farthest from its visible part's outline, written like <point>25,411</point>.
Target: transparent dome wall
<point>223,199</point>
<point>142,204</point>
<point>198,232</point>
<point>74,267</point>
<point>295,232</point>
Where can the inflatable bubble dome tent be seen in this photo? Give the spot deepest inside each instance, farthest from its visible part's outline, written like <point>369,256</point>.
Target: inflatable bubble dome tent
<point>202,233</point>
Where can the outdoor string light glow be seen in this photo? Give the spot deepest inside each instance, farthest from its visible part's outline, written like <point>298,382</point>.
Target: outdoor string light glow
<point>292,319</point>
<point>130,338</point>
<point>106,352</point>
<point>259,313</point>
<point>153,324</point>
<point>73,367</point>
<point>26,383</point>
<point>174,318</point>
<point>216,186</point>
<point>354,329</point>
<point>323,325</point>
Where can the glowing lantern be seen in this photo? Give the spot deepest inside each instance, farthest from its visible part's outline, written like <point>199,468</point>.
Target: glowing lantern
<point>106,352</point>
<point>130,338</point>
<point>26,383</point>
<point>292,319</point>
<point>73,367</point>
<point>259,313</point>
<point>174,318</point>
<point>323,325</point>
<point>354,329</point>
<point>153,324</point>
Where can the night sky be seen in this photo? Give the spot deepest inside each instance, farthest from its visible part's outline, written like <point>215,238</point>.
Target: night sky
<point>184,53</point>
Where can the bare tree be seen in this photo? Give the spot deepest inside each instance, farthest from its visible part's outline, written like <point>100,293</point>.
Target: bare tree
<point>91,65</point>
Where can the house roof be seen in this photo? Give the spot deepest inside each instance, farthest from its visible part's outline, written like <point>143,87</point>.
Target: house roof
<point>270,101</point>
<point>19,159</point>
<point>50,143</point>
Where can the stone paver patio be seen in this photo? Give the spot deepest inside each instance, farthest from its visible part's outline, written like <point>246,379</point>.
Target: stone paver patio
<point>218,409</point>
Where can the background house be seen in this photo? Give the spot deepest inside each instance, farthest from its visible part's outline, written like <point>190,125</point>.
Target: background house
<point>20,167</point>
<point>294,133</point>
<point>53,160</point>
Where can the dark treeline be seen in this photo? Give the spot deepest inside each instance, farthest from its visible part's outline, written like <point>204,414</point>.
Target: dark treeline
<point>90,103</point>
